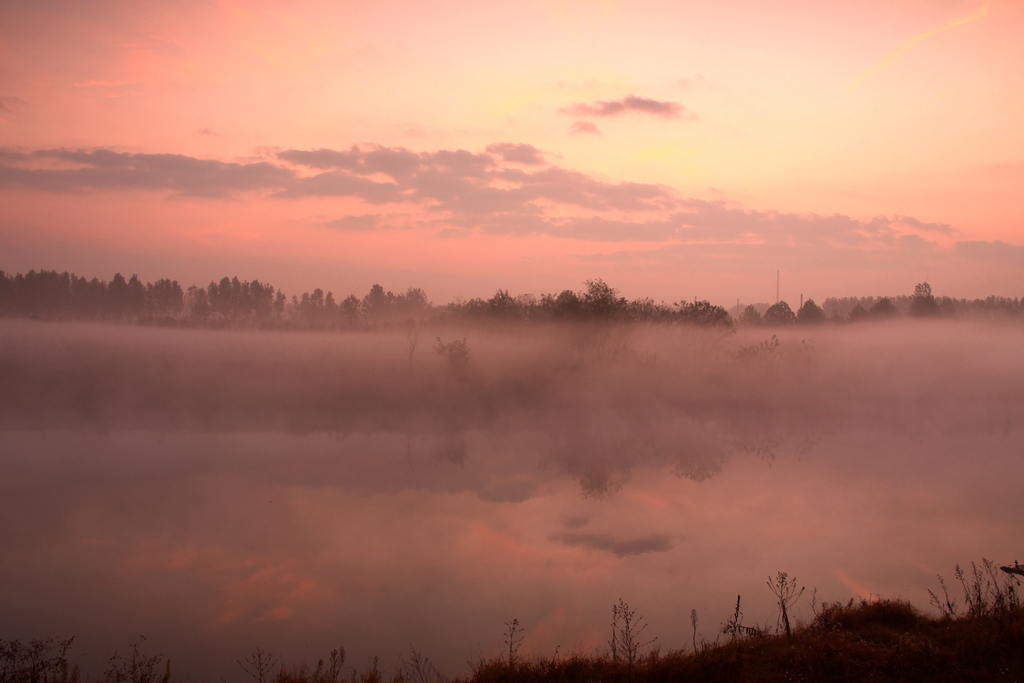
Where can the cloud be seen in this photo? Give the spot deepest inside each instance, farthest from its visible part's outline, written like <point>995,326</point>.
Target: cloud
<point>620,548</point>
<point>508,491</point>
<point>894,55</point>
<point>507,188</point>
<point>103,169</point>
<point>9,103</point>
<point>476,190</point>
<point>630,103</point>
<point>518,154</point>
<point>944,228</point>
<point>355,223</point>
<point>206,131</point>
<point>996,250</point>
<point>576,522</point>
<point>584,127</point>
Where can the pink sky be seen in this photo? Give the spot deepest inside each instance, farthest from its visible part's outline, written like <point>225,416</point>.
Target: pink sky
<point>675,149</point>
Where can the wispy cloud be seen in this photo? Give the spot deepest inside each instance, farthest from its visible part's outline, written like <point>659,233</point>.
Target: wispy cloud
<point>620,548</point>
<point>359,223</point>
<point>505,189</point>
<point>943,228</point>
<point>517,153</point>
<point>629,103</point>
<point>584,127</point>
<point>9,103</point>
<point>104,169</point>
<point>906,46</point>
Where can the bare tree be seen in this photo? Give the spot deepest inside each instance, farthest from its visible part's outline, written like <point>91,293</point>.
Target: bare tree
<point>412,335</point>
<point>786,592</point>
<point>260,664</point>
<point>136,667</point>
<point>627,634</point>
<point>419,669</point>
<point>513,638</point>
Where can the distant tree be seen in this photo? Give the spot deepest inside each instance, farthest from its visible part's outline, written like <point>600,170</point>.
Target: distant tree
<point>923,304</point>
<point>810,313</point>
<point>117,295</point>
<point>947,307</point>
<point>164,297</point>
<point>44,292</point>
<point>646,310</point>
<point>884,308</point>
<point>312,308</point>
<point>197,303</point>
<point>350,307</point>
<point>377,302</point>
<point>136,296</point>
<point>502,305</point>
<point>704,313</point>
<point>279,301</point>
<point>415,302</point>
<point>858,313</point>
<point>750,316</point>
<point>779,314</point>
<point>6,289</point>
<point>259,299</point>
<point>565,305</point>
<point>88,298</point>
<point>455,353</point>
<point>600,300</point>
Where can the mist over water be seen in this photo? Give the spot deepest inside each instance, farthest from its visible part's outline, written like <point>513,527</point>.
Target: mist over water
<point>221,490</point>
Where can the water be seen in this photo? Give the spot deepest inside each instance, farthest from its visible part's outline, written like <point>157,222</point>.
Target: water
<point>219,491</point>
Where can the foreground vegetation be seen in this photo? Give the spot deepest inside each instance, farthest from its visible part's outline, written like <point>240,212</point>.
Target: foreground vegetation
<point>980,638</point>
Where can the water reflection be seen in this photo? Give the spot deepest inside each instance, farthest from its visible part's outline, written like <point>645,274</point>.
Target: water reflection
<point>329,496</point>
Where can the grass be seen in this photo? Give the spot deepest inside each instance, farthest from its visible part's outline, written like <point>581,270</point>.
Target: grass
<point>979,639</point>
<point>883,640</point>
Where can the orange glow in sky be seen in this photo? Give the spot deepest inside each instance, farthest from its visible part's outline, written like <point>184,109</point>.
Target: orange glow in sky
<point>676,149</point>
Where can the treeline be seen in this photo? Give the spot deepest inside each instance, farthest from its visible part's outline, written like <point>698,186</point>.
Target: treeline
<point>231,302</point>
<point>922,304</point>
<point>235,303</point>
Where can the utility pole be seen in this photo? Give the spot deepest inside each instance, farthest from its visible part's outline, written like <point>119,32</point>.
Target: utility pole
<point>801,300</point>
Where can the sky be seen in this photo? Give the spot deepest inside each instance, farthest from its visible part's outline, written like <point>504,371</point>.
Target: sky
<point>676,149</point>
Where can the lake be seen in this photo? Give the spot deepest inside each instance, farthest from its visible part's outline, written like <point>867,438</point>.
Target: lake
<point>218,491</point>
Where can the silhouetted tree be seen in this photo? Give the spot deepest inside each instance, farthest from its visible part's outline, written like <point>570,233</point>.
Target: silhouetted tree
<point>117,295</point>
<point>858,313</point>
<point>750,316</point>
<point>164,297</point>
<point>779,314</point>
<point>704,313</point>
<point>810,313</point>
<point>502,305</point>
<point>197,304</point>
<point>600,300</point>
<point>377,302</point>
<point>349,308</point>
<point>414,302</point>
<point>566,305</point>
<point>923,304</point>
<point>884,308</point>
<point>646,310</point>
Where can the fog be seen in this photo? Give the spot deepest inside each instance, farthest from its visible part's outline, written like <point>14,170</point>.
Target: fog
<point>216,491</point>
